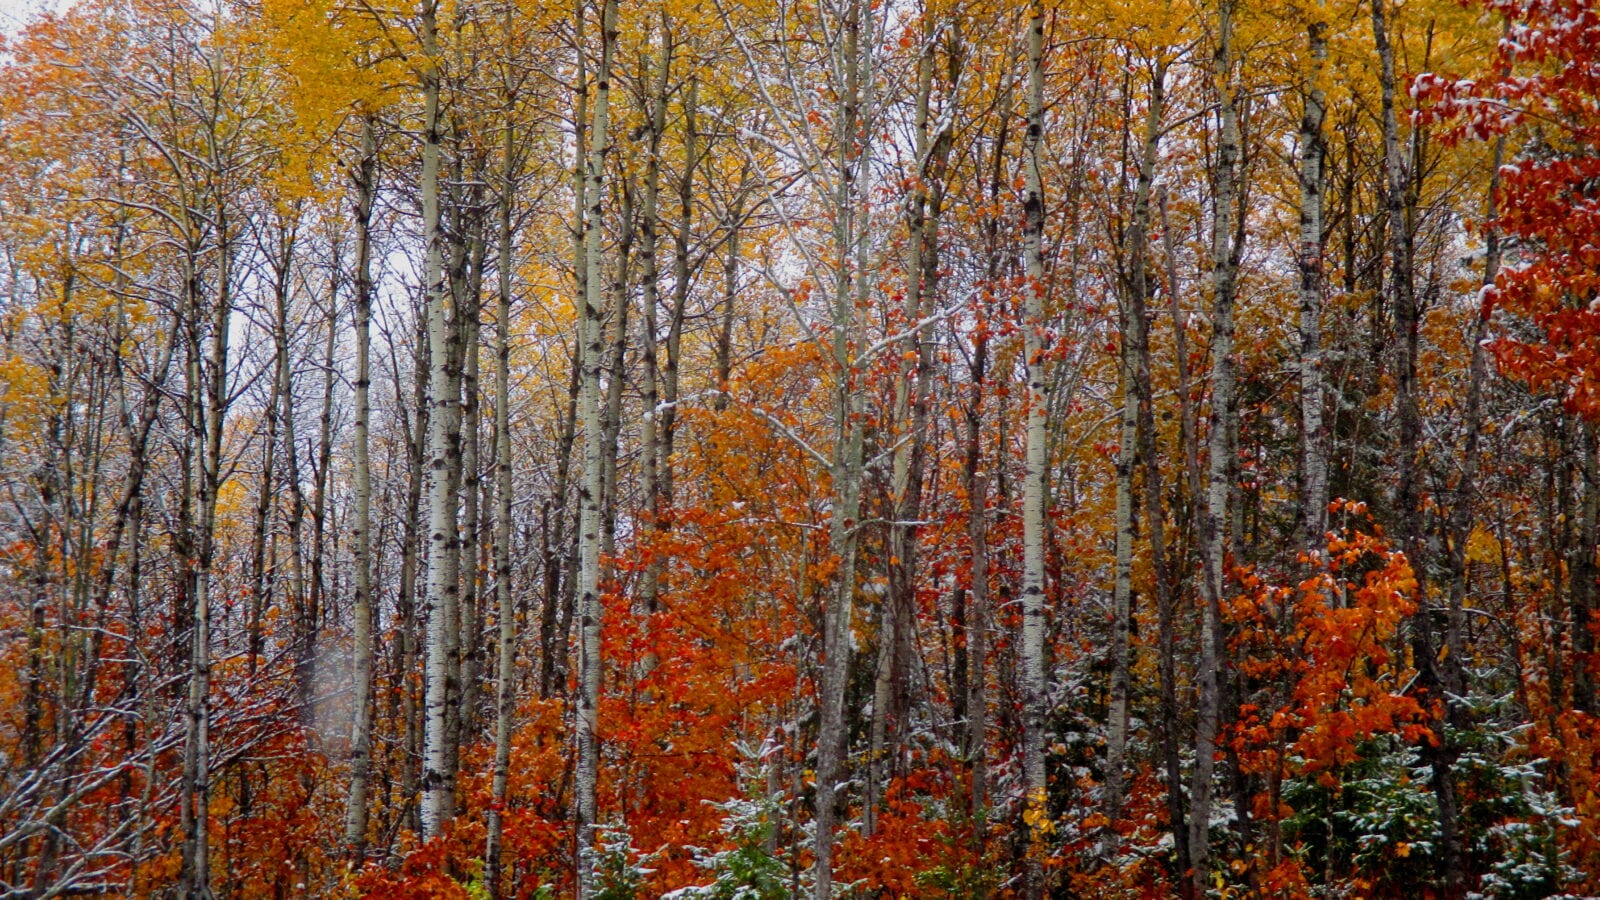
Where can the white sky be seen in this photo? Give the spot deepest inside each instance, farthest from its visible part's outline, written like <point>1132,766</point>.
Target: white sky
<point>14,12</point>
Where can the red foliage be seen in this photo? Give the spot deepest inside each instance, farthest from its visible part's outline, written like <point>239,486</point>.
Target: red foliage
<point>1547,79</point>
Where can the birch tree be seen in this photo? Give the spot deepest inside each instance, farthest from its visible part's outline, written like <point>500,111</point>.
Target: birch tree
<point>440,606</point>
<point>1313,437</point>
<point>1036,347</point>
<point>364,181</point>
<point>592,489</point>
<point>1226,246</point>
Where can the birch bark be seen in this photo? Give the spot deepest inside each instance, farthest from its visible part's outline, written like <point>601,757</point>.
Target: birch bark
<point>1313,433</point>
<point>650,222</point>
<point>442,587</point>
<point>591,490</point>
<point>1214,516</point>
<point>365,178</point>
<point>1036,346</point>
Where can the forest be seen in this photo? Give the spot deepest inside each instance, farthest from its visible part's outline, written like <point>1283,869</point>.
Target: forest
<point>780,449</point>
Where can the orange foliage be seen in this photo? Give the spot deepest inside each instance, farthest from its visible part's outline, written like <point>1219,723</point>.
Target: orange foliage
<point>1328,640</point>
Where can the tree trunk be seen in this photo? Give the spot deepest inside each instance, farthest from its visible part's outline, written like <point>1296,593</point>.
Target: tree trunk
<point>1583,569</point>
<point>978,619</point>
<point>592,489</point>
<point>468,314</point>
<point>210,388</point>
<point>1167,626</point>
<point>463,255</point>
<point>1407,317</point>
<point>318,599</point>
<point>262,577</point>
<point>1035,696</point>
<point>283,372</point>
<point>1466,501</point>
<point>654,459</point>
<point>505,694</point>
<point>442,589</point>
<point>851,287</point>
<point>730,291</point>
<point>1214,516</point>
<point>977,611</point>
<point>1135,375</point>
<point>366,184</point>
<point>1313,432</point>
<point>913,392</point>
<point>554,615</point>
<point>616,369</point>
<point>466,244</point>
<point>680,293</point>
<point>411,558</point>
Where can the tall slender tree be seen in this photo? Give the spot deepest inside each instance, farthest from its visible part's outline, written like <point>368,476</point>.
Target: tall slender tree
<point>592,489</point>
<point>1036,347</point>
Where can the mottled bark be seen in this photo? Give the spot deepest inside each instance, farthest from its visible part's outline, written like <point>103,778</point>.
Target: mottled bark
<point>442,590</point>
<point>365,179</point>
<point>1313,430</point>
<point>591,490</point>
<point>653,459</point>
<point>852,285</point>
<point>505,608</point>
<point>1036,344</point>
<point>1214,516</point>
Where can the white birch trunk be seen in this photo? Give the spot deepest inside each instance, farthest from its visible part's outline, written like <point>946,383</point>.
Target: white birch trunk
<point>439,604</point>
<point>591,489</point>
<point>361,528</point>
<point>650,222</point>
<point>1036,346</point>
<point>1314,440</point>
<point>1214,516</point>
